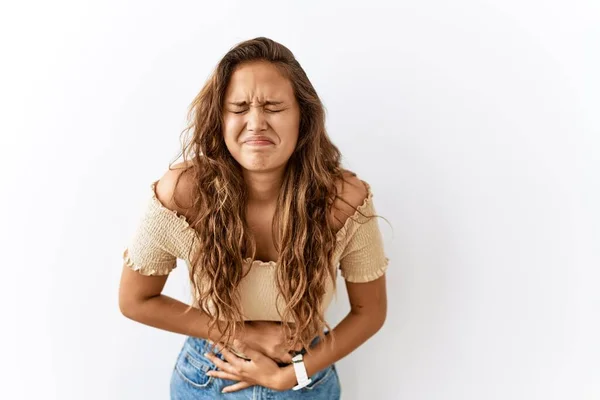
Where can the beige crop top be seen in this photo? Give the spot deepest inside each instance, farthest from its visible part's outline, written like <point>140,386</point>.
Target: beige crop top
<point>162,236</point>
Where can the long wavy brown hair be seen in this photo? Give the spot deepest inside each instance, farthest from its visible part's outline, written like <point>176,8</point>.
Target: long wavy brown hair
<point>303,233</point>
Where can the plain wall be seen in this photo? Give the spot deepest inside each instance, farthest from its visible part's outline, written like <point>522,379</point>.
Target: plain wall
<point>475,122</point>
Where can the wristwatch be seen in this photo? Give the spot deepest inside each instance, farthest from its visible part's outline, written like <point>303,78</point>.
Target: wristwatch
<point>300,370</point>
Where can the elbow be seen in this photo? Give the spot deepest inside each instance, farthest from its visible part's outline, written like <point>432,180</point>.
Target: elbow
<point>125,308</point>
<point>379,318</point>
<point>381,321</point>
<point>371,321</point>
<point>383,316</point>
<point>128,307</point>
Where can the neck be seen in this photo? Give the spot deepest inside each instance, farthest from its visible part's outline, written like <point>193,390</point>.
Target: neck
<point>263,187</point>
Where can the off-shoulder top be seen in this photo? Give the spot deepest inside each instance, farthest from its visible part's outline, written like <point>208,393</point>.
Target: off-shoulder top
<point>162,236</point>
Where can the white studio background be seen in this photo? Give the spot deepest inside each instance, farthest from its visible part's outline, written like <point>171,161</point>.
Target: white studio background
<point>475,122</point>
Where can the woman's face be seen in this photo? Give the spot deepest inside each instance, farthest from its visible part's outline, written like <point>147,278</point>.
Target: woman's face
<point>261,117</point>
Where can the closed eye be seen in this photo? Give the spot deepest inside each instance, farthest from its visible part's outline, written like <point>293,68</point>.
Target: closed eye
<point>269,111</point>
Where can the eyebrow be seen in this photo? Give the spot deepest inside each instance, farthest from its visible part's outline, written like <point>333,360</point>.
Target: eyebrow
<point>266,103</point>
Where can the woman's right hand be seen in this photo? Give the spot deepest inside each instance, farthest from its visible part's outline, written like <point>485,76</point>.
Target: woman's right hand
<point>268,337</point>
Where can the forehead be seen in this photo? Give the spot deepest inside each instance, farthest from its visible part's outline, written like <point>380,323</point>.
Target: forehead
<point>258,80</point>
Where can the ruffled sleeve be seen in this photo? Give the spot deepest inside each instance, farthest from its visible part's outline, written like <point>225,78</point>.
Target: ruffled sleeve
<point>160,237</point>
<point>363,258</point>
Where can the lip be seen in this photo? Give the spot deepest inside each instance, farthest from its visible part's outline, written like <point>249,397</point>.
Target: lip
<point>259,141</point>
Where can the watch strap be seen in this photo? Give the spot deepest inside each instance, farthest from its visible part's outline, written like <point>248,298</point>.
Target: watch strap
<point>300,370</point>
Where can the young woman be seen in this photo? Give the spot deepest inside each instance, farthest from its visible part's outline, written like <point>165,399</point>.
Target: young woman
<point>263,214</point>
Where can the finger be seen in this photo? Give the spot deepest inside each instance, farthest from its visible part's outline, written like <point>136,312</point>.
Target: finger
<point>236,387</point>
<point>222,365</point>
<point>224,375</point>
<point>230,357</point>
<point>247,350</point>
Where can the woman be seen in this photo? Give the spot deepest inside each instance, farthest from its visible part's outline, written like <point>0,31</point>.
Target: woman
<point>263,213</point>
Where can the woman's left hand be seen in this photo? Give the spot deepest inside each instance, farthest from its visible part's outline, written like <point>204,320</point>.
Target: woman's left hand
<point>260,370</point>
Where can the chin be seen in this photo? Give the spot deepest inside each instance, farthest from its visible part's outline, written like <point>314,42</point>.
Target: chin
<point>262,168</point>
<point>259,166</point>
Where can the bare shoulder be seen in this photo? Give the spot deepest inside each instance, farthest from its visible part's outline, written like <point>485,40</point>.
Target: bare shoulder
<point>352,193</point>
<point>175,189</point>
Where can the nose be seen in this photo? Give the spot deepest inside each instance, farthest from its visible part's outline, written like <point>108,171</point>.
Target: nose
<point>256,120</point>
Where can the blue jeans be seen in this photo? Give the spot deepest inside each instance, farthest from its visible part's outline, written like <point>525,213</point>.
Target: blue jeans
<point>189,380</point>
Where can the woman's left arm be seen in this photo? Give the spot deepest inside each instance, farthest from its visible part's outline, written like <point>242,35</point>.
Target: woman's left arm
<point>368,309</point>
<point>362,259</point>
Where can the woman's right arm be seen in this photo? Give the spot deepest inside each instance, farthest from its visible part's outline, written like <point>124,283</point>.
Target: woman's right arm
<point>141,300</point>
